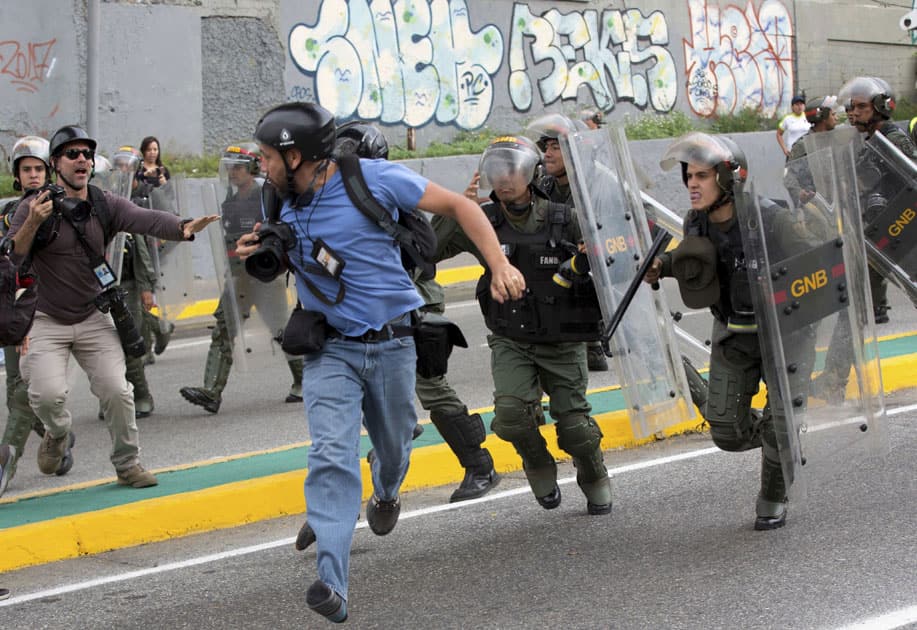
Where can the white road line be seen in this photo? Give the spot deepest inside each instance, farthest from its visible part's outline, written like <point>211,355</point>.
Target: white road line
<point>242,551</point>
<point>894,619</point>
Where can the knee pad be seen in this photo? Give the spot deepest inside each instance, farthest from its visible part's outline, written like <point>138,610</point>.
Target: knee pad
<point>514,419</point>
<point>578,435</point>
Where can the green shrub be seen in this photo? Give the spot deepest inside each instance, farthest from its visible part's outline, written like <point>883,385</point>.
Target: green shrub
<point>651,126</point>
<point>746,120</point>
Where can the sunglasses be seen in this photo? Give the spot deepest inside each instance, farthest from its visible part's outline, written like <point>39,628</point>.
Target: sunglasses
<point>72,154</point>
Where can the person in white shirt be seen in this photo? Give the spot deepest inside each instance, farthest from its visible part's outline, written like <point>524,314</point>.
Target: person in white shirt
<point>793,126</point>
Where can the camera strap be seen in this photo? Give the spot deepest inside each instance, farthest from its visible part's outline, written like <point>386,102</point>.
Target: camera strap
<point>100,267</point>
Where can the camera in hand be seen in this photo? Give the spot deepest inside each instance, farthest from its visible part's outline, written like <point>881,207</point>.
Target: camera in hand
<point>112,301</point>
<point>269,260</point>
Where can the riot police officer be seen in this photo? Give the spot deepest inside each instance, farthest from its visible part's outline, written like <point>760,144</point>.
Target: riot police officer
<point>29,164</point>
<point>240,168</point>
<point>711,269</point>
<point>547,131</point>
<point>537,341</point>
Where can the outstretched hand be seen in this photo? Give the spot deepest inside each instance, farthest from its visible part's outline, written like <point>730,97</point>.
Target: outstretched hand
<point>198,224</point>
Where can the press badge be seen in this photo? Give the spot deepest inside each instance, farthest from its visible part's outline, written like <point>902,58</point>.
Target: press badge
<point>105,275</point>
<point>325,256</point>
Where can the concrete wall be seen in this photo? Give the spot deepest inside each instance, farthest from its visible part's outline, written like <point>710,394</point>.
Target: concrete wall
<point>198,73</point>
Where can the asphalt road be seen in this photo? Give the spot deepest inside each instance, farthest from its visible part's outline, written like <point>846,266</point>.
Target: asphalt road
<point>678,551</point>
<point>253,416</point>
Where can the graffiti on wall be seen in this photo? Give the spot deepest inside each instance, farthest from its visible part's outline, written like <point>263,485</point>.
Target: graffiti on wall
<point>415,62</point>
<point>621,57</point>
<point>26,65</point>
<point>738,59</point>
<point>908,22</point>
<point>410,61</point>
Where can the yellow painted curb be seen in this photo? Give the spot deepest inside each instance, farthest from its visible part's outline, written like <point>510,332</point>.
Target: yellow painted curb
<point>279,495</point>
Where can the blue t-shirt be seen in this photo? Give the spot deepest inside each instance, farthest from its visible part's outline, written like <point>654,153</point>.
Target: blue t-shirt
<point>377,288</point>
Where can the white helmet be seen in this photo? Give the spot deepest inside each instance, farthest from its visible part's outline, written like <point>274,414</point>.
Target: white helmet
<point>28,146</point>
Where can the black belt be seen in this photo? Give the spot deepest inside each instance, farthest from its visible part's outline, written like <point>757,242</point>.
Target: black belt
<point>387,333</point>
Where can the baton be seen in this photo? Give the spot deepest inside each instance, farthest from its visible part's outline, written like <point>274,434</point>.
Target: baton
<point>661,237</point>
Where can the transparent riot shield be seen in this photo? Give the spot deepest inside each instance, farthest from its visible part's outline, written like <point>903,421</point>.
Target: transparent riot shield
<point>888,181</point>
<point>242,296</point>
<point>117,182</point>
<point>172,260</point>
<point>617,236</point>
<point>807,273</point>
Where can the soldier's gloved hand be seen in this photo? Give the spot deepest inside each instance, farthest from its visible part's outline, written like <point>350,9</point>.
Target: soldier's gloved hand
<point>654,272</point>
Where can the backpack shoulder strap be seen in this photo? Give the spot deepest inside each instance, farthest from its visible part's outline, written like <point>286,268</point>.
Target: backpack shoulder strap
<point>100,206</point>
<point>362,198</point>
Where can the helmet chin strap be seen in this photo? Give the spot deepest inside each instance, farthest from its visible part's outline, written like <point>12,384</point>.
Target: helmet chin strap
<point>67,181</point>
<point>305,198</point>
<point>518,209</point>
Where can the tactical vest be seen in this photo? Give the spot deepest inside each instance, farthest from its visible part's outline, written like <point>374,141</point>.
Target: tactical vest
<point>548,313</point>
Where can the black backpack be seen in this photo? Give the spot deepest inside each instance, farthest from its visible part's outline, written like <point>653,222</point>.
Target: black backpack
<point>413,231</point>
<point>18,298</point>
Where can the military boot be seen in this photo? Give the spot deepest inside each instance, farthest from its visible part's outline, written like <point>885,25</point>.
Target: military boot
<point>20,423</point>
<point>295,394</point>
<point>592,478</point>
<point>464,434</point>
<point>543,482</point>
<point>770,507</point>
<point>216,374</point>
<point>136,376</point>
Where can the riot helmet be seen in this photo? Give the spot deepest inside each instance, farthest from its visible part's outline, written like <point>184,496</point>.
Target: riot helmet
<point>126,158</point>
<point>361,139</point>
<point>872,90</point>
<point>102,171</point>
<point>718,152</point>
<point>67,134</point>
<point>304,126</point>
<point>29,146</point>
<point>508,167</point>
<point>549,127</point>
<point>592,118</point>
<point>240,163</point>
<point>819,109</point>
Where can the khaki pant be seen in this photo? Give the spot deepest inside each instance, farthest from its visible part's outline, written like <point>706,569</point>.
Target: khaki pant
<point>94,344</point>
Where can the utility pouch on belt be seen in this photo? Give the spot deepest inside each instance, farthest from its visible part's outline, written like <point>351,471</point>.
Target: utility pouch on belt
<point>304,333</point>
<point>434,338</point>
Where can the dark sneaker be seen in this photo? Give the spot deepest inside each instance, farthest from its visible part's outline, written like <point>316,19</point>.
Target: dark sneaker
<point>162,340</point>
<point>475,484</point>
<point>764,523</point>
<point>66,462</point>
<point>202,398</point>
<point>382,516</point>
<point>51,452</point>
<point>4,593</point>
<point>292,398</point>
<point>136,477</point>
<point>326,602</point>
<point>881,313</point>
<point>550,501</point>
<point>7,457</point>
<point>305,537</point>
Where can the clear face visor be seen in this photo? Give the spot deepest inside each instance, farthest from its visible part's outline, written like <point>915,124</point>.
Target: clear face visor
<point>861,89</point>
<point>551,126</point>
<point>695,148</point>
<point>502,163</point>
<point>124,161</point>
<point>236,172</point>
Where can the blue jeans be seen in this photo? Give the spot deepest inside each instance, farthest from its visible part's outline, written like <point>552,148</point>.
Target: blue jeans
<point>345,385</point>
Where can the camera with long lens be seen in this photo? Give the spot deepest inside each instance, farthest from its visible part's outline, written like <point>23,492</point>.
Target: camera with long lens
<point>73,208</point>
<point>269,260</point>
<point>112,301</point>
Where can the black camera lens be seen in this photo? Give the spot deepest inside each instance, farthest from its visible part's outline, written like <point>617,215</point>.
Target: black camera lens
<point>269,260</point>
<point>77,210</point>
<point>112,301</point>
